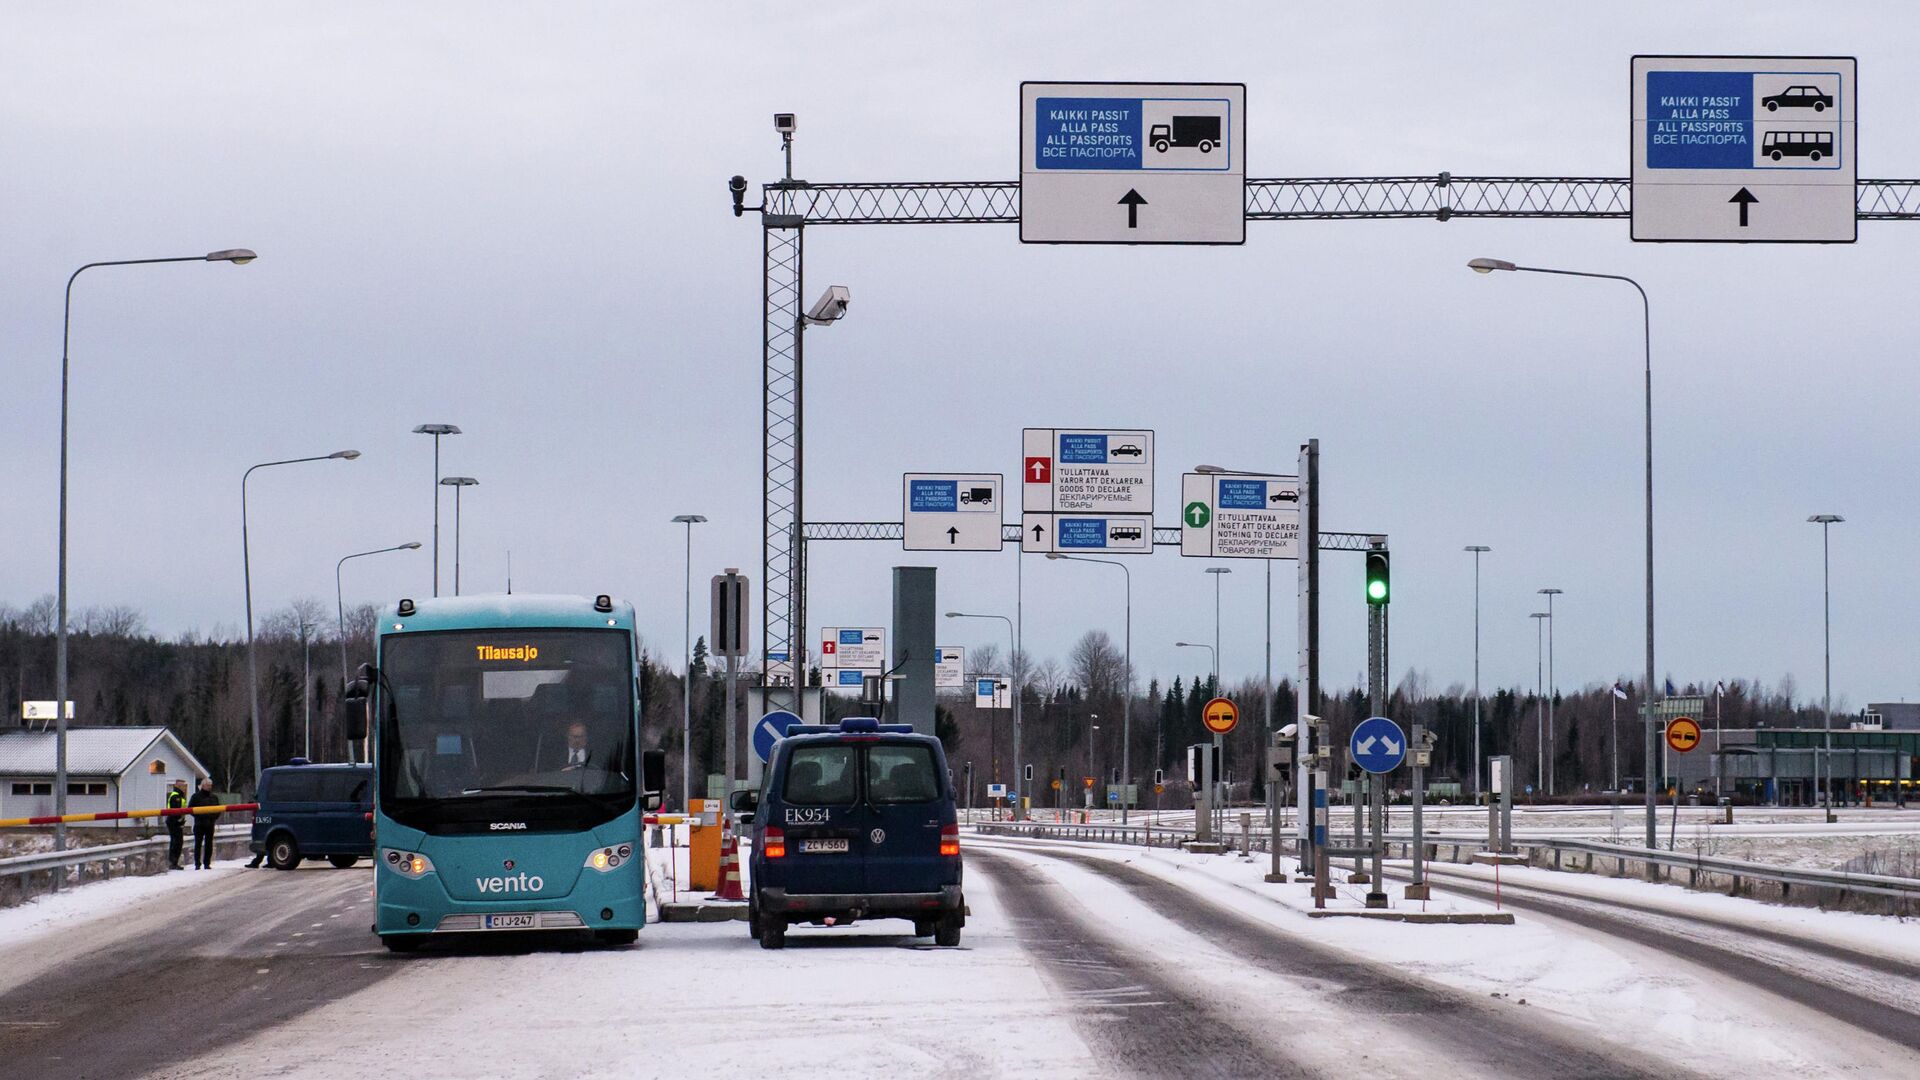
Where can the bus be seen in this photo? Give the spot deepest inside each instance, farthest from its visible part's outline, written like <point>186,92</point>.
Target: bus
<point>509,785</point>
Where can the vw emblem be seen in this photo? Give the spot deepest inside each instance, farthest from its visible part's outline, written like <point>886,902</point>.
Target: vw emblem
<point>508,864</point>
<point>878,836</point>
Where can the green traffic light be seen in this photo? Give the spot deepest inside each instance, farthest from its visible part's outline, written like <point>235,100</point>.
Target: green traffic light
<point>1376,590</point>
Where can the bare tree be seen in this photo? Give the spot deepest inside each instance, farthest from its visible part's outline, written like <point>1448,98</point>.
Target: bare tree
<point>1096,664</point>
<point>39,616</point>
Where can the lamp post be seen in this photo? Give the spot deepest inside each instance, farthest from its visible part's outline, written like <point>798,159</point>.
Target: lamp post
<point>236,256</point>
<point>686,686</point>
<point>1126,701</point>
<point>1826,523</point>
<point>436,430</point>
<point>246,571</point>
<point>1539,702</point>
<point>456,483</point>
<point>1478,550</point>
<point>1553,687</point>
<point>340,606</point>
<point>1013,670</point>
<point>1488,266</point>
<point>1093,770</point>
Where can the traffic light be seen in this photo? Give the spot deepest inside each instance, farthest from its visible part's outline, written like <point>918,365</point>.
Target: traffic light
<point>1378,588</point>
<point>1027,774</point>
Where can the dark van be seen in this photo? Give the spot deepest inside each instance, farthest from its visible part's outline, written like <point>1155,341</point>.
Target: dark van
<point>314,811</point>
<point>854,821</point>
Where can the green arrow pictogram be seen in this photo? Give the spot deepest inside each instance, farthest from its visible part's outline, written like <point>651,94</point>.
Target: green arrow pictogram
<point>1197,515</point>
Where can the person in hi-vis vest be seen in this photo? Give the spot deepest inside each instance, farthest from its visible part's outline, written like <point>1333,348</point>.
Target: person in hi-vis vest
<point>177,824</point>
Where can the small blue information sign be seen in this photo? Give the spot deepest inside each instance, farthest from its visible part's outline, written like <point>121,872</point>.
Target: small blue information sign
<point>1083,449</point>
<point>933,496</point>
<point>1242,494</point>
<point>1378,745</point>
<point>1082,532</point>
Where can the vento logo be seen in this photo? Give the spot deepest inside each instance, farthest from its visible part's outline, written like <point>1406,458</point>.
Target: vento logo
<point>520,883</point>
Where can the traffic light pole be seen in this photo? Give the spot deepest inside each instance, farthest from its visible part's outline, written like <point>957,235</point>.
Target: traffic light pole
<point>1377,703</point>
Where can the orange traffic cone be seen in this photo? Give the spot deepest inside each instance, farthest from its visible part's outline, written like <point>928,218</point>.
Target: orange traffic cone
<point>729,864</point>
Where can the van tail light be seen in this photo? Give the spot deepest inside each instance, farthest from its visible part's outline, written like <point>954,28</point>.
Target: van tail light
<point>950,840</point>
<point>774,844</point>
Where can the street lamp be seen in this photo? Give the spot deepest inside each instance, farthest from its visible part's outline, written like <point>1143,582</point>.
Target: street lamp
<point>340,604</point>
<point>436,430</point>
<point>1126,702</point>
<point>456,483</point>
<point>236,256</point>
<point>1478,550</point>
<point>1487,266</point>
<point>1826,523</point>
<point>1013,667</point>
<point>829,309</point>
<point>1552,684</point>
<point>686,686</point>
<point>1093,769</point>
<point>246,571</point>
<point>1539,703</point>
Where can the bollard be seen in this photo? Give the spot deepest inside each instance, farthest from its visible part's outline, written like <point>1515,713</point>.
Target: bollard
<point>655,840</point>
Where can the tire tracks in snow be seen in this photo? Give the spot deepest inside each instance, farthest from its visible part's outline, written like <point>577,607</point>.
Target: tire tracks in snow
<point>1494,1040</point>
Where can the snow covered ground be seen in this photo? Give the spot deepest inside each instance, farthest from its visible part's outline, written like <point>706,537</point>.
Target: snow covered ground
<point>72,907</point>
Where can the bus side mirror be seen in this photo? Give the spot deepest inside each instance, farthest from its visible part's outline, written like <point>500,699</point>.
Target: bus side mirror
<point>353,710</point>
<point>653,778</point>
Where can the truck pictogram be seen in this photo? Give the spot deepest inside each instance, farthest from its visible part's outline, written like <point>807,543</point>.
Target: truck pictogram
<point>1200,132</point>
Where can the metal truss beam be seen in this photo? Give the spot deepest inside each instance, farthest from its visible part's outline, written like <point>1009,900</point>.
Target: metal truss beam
<point>1439,197</point>
<point>787,206</point>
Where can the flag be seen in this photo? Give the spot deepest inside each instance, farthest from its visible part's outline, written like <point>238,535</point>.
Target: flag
<point>1670,690</point>
<point>1619,693</point>
<point>1720,688</point>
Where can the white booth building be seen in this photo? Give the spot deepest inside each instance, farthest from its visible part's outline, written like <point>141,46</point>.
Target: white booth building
<point>108,769</point>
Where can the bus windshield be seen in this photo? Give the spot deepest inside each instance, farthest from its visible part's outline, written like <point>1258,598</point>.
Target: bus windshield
<point>522,722</point>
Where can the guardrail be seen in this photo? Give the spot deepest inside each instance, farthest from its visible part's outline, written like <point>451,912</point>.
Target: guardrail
<point>23,877</point>
<point>1734,876</point>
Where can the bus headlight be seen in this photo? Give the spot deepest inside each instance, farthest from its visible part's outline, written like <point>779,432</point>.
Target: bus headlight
<point>607,858</point>
<point>407,864</point>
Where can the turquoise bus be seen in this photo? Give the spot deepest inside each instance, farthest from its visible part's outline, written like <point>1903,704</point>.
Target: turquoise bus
<point>509,780</point>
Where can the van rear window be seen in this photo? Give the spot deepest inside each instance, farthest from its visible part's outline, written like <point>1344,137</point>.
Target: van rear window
<point>295,785</point>
<point>901,774</point>
<point>822,776</point>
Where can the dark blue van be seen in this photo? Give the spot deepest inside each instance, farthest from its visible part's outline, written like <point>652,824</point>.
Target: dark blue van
<point>854,821</point>
<point>314,811</point>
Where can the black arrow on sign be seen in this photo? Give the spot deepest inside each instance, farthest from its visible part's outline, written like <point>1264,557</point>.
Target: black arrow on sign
<point>1037,530</point>
<point>953,534</point>
<point>1745,199</point>
<point>1133,201</point>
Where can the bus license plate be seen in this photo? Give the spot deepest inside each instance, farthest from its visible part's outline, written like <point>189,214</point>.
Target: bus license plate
<point>822,846</point>
<point>509,922</point>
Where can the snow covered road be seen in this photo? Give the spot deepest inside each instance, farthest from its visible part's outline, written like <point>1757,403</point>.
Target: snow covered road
<point>1078,959</point>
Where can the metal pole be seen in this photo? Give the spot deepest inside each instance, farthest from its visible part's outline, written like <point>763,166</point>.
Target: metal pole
<point>1015,634</point>
<point>1478,550</point>
<point>1552,691</point>
<point>456,539</point>
<point>1826,621</point>
<point>1126,711</point>
<point>436,514</point>
<point>1539,703</point>
<point>306,684</point>
<point>686,685</point>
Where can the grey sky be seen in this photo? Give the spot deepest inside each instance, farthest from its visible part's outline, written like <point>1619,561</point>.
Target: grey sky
<point>515,219</point>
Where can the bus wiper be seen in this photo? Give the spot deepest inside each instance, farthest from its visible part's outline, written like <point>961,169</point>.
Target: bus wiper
<point>520,787</point>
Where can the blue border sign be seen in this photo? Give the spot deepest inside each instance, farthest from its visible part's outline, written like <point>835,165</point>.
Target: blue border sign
<point>771,729</point>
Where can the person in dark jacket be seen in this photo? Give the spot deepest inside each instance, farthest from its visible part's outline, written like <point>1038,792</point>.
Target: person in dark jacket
<point>176,825</point>
<point>203,826</point>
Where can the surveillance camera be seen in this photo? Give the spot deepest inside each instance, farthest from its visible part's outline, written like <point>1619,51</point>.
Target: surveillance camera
<point>1289,731</point>
<point>784,123</point>
<point>738,185</point>
<point>831,306</point>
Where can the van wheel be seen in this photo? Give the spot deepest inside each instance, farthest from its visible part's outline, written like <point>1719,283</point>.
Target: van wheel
<point>403,943</point>
<point>283,853</point>
<point>923,927</point>
<point>343,862</point>
<point>946,932</point>
<point>754,925</point>
<point>773,933</point>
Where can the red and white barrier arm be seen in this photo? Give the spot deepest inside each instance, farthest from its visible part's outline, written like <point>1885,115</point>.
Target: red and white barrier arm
<point>126,815</point>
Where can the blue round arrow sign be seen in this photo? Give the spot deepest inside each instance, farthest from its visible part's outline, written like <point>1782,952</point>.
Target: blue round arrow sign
<point>1378,745</point>
<point>771,729</point>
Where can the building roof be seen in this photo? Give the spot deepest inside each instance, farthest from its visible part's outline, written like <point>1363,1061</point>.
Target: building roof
<point>91,751</point>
